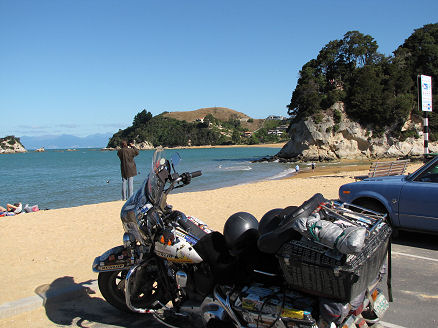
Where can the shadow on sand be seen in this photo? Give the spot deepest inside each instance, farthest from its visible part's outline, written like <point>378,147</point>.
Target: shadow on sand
<point>71,304</point>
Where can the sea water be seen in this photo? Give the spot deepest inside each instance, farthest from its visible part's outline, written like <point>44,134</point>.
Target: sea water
<point>62,178</point>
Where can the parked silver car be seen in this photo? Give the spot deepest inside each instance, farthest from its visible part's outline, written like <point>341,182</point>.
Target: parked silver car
<point>411,201</point>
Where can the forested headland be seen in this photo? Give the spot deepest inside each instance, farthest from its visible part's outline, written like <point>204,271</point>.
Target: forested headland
<point>378,91</point>
<point>207,126</point>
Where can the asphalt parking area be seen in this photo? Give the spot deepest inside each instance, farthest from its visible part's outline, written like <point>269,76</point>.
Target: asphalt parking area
<point>414,283</point>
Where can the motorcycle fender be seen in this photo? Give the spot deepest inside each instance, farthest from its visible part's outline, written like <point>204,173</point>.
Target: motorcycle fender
<point>115,259</point>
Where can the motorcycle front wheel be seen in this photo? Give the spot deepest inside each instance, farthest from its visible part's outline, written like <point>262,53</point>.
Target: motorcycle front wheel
<point>112,287</point>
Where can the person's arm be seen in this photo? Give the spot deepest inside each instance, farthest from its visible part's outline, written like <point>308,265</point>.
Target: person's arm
<point>10,207</point>
<point>135,150</point>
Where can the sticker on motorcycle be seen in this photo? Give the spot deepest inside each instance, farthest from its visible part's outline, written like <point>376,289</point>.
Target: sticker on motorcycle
<point>111,267</point>
<point>200,224</point>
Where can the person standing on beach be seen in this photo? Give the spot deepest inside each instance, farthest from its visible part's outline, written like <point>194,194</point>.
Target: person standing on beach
<point>127,167</point>
<point>313,166</point>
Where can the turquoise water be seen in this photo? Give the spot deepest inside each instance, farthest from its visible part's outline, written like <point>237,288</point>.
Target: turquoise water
<point>58,178</point>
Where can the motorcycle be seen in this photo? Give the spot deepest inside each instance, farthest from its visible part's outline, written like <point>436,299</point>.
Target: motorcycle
<point>173,267</point>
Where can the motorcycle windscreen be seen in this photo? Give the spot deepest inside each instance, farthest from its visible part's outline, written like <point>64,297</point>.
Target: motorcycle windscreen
<point>134,210</point>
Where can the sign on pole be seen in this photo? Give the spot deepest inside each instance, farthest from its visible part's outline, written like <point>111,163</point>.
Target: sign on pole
<point>425,102</point>
<point>426,93</point>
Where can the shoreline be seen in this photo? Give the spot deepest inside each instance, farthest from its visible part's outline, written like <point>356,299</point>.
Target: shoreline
<point>268,145</point>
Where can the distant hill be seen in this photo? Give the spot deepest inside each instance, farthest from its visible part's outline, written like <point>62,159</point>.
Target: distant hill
<point>205,126</point>
<point>66,141</point>
<point>220,113</point>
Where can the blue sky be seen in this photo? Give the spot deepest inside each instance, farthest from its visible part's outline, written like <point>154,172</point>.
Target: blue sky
<point>88,66</point>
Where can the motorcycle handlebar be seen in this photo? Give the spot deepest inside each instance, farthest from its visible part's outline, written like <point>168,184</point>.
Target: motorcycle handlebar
<point>196,174</point>
<point>185,178</point>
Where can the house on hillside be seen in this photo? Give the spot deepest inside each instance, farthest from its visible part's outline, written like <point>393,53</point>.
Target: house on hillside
<point>274,117</point>
<point>276,132</point>
<point>200,120</point>
<point>247,134</point>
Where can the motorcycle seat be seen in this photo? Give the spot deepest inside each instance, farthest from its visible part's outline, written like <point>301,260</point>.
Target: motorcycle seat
<point>279,229</point>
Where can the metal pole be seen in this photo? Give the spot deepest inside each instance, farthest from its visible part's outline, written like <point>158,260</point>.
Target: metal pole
<point>426,133</point>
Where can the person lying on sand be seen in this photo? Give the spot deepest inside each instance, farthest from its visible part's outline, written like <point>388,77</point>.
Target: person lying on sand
<point>11,209</point>
<point>16,208</point>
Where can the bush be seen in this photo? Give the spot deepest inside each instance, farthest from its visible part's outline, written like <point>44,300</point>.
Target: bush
<point>337,116</point>
<point>411,133</point>
<point>317,118</point>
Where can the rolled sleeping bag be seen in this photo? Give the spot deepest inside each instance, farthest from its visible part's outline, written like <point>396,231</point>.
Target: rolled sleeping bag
<point>329,233</point>
<point>303,225</point>
<point>314,228</point>
<point>349,240</point>
<point>352,240</point>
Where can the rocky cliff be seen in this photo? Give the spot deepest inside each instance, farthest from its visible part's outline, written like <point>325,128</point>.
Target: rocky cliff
<point>346,139</point>
<point>144,145</point>
<point>10,145</point>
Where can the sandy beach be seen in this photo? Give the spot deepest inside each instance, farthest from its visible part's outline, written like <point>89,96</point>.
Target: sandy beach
<point>38,248</point>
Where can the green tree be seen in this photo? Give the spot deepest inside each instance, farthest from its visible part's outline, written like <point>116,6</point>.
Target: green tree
<point>307,96</point>
<point>142,118</point>
<point>365,101</point>
<point>236,137</point>
<point>322,81</point>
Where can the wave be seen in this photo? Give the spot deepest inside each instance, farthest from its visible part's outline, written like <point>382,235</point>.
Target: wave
<point>236,168</point>
<point>283,174</point>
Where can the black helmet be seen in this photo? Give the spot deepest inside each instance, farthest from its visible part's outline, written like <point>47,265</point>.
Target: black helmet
<point>270,220</point>
<point>240,232</point>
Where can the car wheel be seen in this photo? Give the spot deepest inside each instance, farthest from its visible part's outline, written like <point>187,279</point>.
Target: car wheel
<point>375,206</point>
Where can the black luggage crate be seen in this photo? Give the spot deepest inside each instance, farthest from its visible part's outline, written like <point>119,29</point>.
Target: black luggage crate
<point>316,269</point>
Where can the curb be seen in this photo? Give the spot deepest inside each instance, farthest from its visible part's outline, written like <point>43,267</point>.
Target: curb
<point>33,302</point>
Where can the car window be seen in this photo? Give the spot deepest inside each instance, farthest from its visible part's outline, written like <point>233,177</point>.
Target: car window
<point>430,175</point>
